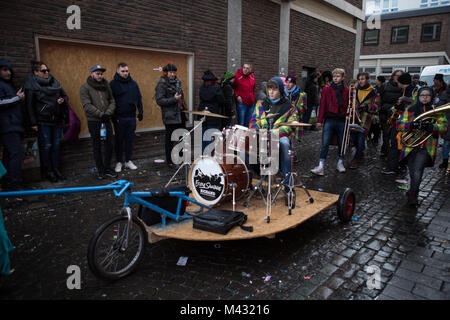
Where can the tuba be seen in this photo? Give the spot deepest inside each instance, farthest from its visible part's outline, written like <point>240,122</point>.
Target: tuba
<point>415,137</point>
<point>395,110</point>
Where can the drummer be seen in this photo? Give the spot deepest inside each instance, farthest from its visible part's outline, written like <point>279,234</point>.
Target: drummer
<point>277,103</point>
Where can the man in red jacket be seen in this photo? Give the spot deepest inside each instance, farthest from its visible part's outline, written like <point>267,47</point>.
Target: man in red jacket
<point>332,111</point>
<point>244,91</point>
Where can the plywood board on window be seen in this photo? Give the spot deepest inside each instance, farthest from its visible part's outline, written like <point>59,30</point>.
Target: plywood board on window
<point>70,63</point>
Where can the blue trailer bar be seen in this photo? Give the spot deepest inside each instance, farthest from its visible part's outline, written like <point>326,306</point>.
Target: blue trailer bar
<point>121,185</point>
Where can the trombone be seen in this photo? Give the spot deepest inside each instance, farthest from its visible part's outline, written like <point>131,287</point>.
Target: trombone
<point>415,137</point>
<point>350,119</point>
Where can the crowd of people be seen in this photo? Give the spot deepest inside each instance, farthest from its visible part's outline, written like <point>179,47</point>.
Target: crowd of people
<point>384,111</point>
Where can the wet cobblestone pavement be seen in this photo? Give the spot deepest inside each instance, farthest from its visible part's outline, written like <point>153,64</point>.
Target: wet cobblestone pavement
<point>320,259</point>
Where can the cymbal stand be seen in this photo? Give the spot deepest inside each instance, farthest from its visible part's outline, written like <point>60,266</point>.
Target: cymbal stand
<point>293,181</point>
<point>185,164</point>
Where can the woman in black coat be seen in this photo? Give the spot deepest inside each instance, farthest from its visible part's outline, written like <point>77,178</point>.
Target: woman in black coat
<point>211,99</point>
<point>47,111</point>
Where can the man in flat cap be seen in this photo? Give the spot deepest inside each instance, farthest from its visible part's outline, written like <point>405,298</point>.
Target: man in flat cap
<point>98,104</point>
<point>169,96</point>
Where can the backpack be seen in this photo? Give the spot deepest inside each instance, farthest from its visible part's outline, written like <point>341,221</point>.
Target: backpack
<point>220,221</point>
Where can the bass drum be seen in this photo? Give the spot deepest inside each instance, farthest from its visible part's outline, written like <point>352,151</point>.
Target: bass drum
<point>211,179</point>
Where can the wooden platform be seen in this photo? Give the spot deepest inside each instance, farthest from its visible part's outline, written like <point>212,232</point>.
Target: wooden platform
<point>280,220</point>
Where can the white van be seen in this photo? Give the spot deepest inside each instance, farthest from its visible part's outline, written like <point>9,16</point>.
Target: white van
<point>428,73</point>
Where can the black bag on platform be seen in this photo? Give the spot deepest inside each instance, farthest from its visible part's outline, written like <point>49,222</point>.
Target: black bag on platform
<point>162,199</point>
<point>220,221</point>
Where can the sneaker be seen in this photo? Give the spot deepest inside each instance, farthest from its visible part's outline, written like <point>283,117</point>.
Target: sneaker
<point>118,167</point>
<point>110,173</point>
<point>401,180</point>
<point>318,170</point>
<point>388,171</point>
<point>340,167</point>
<point>100,176</point>
<point>130,165</point>
<point>354,164</point>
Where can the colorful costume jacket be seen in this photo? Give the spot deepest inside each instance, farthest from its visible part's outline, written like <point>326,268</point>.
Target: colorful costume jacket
<point>440,127</point>
<point>373,101</point>
<point>259,121</point>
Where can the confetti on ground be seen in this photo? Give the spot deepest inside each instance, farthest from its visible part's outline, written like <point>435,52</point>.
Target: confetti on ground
<point>182,261</point>
<point>306,278</point>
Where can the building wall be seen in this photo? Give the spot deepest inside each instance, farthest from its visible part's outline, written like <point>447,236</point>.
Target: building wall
<point>415,29</point>
<point>260,37</point>
<point>197,26</point>
<point>317,44</point>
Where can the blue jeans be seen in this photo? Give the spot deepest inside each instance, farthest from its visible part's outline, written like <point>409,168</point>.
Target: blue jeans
<point>332,126</point>
<point>244,114</point>
<point>446,149</point>
<point>359,140</point>
<point>124,129</point>
<point>49,142</point>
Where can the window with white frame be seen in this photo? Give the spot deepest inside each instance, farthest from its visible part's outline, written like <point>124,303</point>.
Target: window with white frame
<point>399,34</point>
<point>431,32</point>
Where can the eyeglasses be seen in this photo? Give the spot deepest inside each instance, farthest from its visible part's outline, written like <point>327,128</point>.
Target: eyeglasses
<point>425,95</point>
<point>45,70</point>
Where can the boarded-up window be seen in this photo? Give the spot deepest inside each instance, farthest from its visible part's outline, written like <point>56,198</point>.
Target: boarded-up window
<point>70,63</point>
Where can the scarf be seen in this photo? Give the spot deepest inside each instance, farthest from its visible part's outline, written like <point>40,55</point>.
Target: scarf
<point>49,87</point>
<point>101,86</point>
<point>338,89</point>
<point>363,92</point>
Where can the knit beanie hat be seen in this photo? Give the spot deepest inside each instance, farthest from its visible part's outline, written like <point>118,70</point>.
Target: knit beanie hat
<point>292,78</point>
<point>209,76</point>
<point>227,76</point>
<point>170,67</point>
<point>405,78</point>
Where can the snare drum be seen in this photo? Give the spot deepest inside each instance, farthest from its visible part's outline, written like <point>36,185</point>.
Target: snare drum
<point>242,139</point>
<point>211,179</point>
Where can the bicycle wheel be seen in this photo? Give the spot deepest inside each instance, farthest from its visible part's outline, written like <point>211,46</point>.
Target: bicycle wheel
<point>107,256</point>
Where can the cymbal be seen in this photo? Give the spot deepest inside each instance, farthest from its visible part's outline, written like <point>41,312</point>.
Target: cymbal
<point>295,124</point>
<point>206,113</point>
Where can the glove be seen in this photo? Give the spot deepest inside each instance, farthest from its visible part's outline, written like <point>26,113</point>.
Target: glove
<point>105,117</point>
<point>428,127</point>
<point>416,125</point>
<point>140,117</point>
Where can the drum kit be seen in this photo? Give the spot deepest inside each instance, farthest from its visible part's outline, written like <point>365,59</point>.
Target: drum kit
<point>225,175</point>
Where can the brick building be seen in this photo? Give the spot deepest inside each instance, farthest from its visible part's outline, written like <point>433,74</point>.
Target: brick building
<point>408,40</point>
<point>275,36</point>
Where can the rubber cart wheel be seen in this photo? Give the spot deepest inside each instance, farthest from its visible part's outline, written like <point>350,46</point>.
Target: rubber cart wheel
<point>346,205</point>
<point>107,257</point>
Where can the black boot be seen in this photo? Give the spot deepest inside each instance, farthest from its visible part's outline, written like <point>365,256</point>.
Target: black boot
<point>59,175</point>
<point>51,176</point>
<point>412,199</point>
<point>444,164</point>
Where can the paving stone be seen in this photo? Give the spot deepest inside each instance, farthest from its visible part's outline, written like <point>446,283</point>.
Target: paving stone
<point>405,284</point>
<point>419,278</point>
<point>398,293</point>
<point>429,293</point>
<point>411,265</point>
